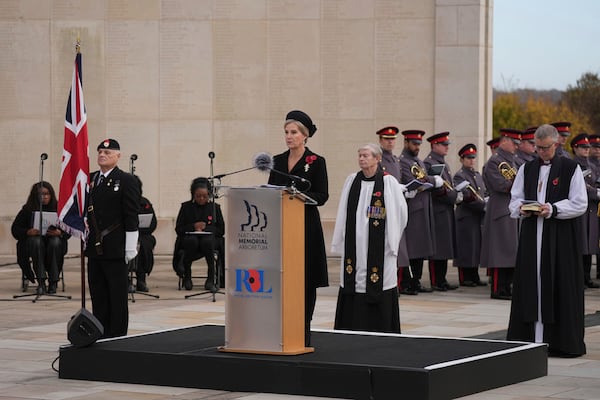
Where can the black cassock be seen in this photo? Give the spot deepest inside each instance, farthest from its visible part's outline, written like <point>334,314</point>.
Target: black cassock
<point>562,300</point>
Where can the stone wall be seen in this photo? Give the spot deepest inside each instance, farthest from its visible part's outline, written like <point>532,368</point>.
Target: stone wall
<point>172,80</point>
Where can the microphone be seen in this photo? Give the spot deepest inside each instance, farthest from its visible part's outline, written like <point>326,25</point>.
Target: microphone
<point>211,154</point>
<point>264,162</point>
<point>133,157</point>
<point>43,156</point>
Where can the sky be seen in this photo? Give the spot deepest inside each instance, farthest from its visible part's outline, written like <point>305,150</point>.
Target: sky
<point>544,44</point>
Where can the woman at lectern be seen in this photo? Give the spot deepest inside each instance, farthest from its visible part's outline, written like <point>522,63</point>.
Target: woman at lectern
<point>300,168</point>
<point>46,249</point>
<point>371,217</point>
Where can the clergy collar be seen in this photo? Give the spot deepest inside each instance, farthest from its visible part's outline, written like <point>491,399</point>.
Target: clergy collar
<point>548,162</point>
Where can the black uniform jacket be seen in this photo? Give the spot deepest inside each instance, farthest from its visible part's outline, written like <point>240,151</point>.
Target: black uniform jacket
<point>116,203</point>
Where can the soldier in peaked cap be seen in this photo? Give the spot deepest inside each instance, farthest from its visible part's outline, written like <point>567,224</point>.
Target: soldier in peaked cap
<point>564,131</point>
<point>589,221</point>
<point>500,231</point>
<point>493,144</point>
<point>113,205</point>
<point>420,237</point>
<point>391,164</point>
<point>526,150</point>
<point>443,201</point>
<point>469,218</point>
<point>594,161</point>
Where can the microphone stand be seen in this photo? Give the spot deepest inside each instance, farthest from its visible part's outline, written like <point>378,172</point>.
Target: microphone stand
<point>133,264</point>
<point>41,289</point>
<point>217,276</point>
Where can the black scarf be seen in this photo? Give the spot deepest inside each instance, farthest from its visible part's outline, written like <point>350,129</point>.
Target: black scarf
<point>376,249</point>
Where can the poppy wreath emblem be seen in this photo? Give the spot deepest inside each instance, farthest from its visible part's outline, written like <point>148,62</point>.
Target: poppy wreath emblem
<point>555,181</point>
<point>309,160</point>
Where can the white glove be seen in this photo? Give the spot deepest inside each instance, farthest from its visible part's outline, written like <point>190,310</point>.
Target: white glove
<point>410,194</point>
<point>598,192</point>
<point>459,197</point>
<point>438,181</point>
<point>131,239</point>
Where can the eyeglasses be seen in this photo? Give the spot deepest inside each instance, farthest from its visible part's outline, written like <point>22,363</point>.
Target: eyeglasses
<point>544,148</point>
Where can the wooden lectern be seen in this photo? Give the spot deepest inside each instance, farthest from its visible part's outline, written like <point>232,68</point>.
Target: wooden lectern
<point>264,272</point>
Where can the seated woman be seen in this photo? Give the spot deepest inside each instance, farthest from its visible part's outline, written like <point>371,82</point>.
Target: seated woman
<point>47,250</point>
<point>147,241</point>
<point>197,215</point>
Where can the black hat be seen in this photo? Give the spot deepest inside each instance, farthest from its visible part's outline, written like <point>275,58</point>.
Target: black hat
<point>562,128</point>
<point>304,119</point>
<point>513,134</point>
<point>529,133</point>
<point>388,132</point>
<point>493,143</point>
<point>468,151</point>
<point>110,144</point>
<point>441,138</point>
<point>581,140</point>
<point>595,140</point>
<point>414,135</point>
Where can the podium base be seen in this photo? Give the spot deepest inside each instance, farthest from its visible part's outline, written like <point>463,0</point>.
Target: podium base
<point>303,350</point>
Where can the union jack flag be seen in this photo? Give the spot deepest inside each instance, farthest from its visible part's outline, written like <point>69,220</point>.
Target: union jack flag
<point>75,167</point>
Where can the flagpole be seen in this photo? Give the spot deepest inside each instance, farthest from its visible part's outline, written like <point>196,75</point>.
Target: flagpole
<point>81,242</point>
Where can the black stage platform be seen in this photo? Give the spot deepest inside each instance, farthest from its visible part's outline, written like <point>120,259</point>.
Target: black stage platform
<point>345,364</point>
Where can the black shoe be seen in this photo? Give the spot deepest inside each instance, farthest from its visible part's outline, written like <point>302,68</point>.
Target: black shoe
<point>468,283</point>
<point>449,286</point>
<point>409,291</point>
<point>422,289</point>
<point>130,288</point>
<point>438,288</point>
<point>592,285</point>
<point>52,288</point>
<point>500,296</point>
<point>41,289</point>
<point>187,284</point>
<point>141,286</point>
<point>480,283</point>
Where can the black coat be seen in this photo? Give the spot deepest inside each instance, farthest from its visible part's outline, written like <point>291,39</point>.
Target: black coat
<point>313,168</point>
<point>147,240</point>
<point>116,203</point>
<point>22,223</point>
<point>189,213</point>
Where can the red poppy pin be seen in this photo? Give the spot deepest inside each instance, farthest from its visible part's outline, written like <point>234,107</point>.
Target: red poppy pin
<point>309,160</point>
<point>555,181</point>
<point>209,218</point>
<point>377,194</point>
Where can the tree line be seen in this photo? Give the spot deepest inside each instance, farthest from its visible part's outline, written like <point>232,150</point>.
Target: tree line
<point>578,104</point>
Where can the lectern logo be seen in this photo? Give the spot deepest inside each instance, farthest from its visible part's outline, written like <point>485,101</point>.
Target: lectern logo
<point>251,281</point>
<point>257,220</point>
<point>251,235</point>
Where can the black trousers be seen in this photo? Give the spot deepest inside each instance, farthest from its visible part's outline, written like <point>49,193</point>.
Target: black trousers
<point>437,272</point>
<point>310,299</point>
<point>502,280</point>
<point>194,247</point>
<point>108,282</point>
<point>47,253</point>
<point>408,281</point>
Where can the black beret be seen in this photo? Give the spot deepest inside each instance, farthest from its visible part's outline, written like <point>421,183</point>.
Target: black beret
<point>110,144</point>
<point>304,119</point>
